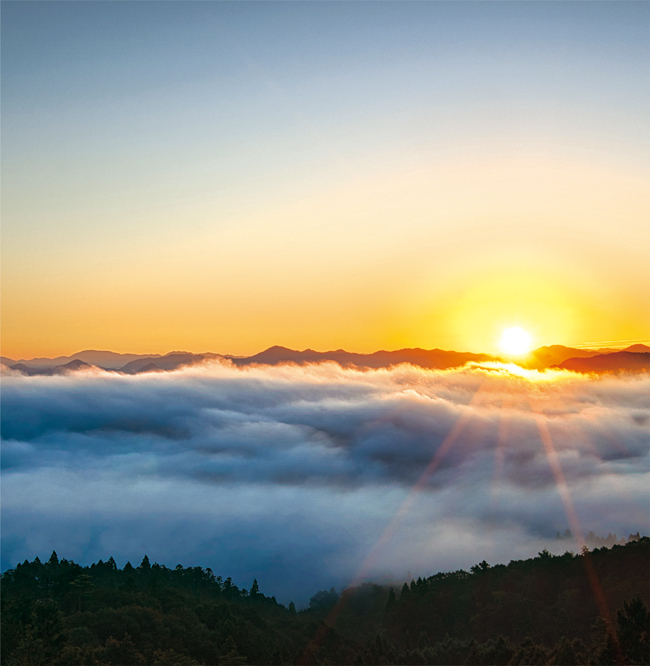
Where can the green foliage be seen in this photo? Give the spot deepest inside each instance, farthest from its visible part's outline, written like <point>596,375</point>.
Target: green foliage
<point>323,600</point>
<point>538,611</point>
<point>634,630</point>
<point>392,600</point>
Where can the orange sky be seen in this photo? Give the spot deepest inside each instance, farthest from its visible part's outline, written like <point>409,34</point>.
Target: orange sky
<point>389,260</point>
<point>319,204</point>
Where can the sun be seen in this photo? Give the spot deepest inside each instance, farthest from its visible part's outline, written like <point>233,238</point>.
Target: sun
<point>515,341</point>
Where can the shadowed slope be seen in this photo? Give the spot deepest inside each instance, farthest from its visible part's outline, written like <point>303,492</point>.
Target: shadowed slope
<point>624,361</point>
<point>425,358</point>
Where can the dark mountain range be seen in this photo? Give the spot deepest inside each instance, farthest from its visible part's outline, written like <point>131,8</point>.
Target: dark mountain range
<point>624,361</point>
<point>545,357</point>
<point>72,366</point>
<point>425,358</point>
<point>636,348</point>
<point>104,359</point>
<point>150,367</point>
<point>631,359</point>
<point>554,355</point>
<point>170,361</point>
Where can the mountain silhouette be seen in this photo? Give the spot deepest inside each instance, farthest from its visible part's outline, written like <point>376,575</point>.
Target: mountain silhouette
<point>637,348</point>
<point>425,358</point>
<point>104,359</point>
<point>615,362</point>
<point>170,361</point>
<point>55,370</point>
<point>631,359</point>
<point>545,357</point>
<point>150,367</point>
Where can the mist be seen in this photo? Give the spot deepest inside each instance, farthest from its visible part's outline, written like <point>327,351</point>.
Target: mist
<point>295,475</point>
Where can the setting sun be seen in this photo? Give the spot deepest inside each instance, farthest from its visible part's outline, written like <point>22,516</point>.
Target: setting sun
<point>515,341</point>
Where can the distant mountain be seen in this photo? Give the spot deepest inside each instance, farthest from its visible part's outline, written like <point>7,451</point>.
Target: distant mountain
<point>28,370</point>
<point>56,370</point>
<point>425,358</point>
<point>630,359</point>
<point>77,364</point>
<point>169,361</point>
<point>103,359</point>
<point>150,367</point>
<point>624,361</point>
<point>545,357</point>
<point>637,348</point>
<point>610,350</point>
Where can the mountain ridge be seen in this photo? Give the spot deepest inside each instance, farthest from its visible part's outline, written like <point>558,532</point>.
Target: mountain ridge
<point>631,359</point>
<point>623,361</point>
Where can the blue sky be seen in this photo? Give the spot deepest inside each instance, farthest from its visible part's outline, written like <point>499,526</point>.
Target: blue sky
<point>176,128</point>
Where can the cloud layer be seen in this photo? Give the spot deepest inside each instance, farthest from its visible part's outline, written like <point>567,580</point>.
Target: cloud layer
<point>292,474</point>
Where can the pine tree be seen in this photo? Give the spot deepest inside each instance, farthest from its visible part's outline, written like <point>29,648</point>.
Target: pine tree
<point>230,653</point>
<point>633,629</point>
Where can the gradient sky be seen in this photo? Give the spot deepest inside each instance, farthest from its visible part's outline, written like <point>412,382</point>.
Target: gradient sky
<point>227,176</point>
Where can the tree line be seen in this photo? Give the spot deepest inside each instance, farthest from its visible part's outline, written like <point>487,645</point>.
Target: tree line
<point>584,608</point>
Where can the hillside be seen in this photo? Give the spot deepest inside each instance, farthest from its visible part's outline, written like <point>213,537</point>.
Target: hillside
<point>544,610</point>
<point>615,362</point>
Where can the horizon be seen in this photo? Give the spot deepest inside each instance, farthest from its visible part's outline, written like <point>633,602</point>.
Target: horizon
<point>356,176</point>
<point>619,345</point>
<point>308,476</point>
<point>469,178</point>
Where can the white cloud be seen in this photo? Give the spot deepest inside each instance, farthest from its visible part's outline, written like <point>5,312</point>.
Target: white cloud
<point>291,474</point>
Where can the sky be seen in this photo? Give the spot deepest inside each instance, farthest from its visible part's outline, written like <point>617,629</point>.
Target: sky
<point>218,176</point>
<point>318,476</point>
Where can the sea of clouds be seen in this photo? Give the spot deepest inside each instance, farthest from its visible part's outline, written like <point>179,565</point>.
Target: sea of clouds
<point>295,475</point>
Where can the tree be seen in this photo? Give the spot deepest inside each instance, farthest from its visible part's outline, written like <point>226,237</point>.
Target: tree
<point>392,601</point>
<point>145,565</point>
<point>482,566</point>
<point>121,651</point>
<point>323,600</point>
<point>83,584</point>
<point>230,654</point>
<point>633,631</point>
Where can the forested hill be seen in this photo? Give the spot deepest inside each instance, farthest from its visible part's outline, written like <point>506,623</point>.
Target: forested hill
<point>546,610</point>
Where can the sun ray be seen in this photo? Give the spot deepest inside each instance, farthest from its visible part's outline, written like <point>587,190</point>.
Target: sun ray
<point>391,528</point>
<point>503,432</point>
<point>582,435</point>
<point>572,516</point>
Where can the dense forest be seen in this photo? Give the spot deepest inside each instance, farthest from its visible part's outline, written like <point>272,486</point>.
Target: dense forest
<point>586,608</point>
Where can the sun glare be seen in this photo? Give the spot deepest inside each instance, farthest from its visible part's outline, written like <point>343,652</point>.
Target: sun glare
<point>515,341</point>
